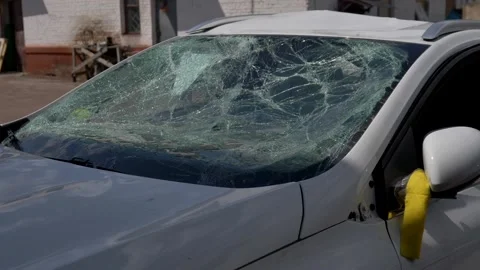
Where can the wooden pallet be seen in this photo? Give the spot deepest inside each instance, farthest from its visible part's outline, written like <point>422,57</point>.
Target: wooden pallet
<point>3,50</point>
<point>91,58</point>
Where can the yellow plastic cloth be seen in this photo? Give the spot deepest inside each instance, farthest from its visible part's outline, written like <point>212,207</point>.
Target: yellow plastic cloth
<point>416,204</point>
<point>81,114</point>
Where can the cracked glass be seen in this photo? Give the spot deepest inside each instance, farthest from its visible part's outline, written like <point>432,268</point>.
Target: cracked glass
<point>231,111</point>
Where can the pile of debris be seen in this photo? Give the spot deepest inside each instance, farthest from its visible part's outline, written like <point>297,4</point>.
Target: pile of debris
<point>95,49</point>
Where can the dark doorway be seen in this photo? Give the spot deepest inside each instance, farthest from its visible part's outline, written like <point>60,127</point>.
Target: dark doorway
<point>354,6</point>
<point>165,19</point>
<point>13,32</point>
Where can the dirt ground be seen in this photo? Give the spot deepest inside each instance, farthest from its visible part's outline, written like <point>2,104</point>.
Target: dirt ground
<point>22,94</point>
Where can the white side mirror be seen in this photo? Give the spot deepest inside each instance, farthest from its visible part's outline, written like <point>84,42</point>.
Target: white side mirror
<point>451,157</point>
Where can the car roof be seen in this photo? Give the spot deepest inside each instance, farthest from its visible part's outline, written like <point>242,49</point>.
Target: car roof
<point>325,23</point>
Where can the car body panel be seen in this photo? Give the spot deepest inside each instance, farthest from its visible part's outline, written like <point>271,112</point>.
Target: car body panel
<point>451,239</point>
<point>339,190</point>
<point>349,245</point>
<point>55,214</point>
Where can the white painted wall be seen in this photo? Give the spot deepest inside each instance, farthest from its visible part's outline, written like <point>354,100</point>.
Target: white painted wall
<point>323,4</point>
<point>58,26</point>
<point>405,9</point>
<point>191,13</point>
<point>241,7</point>
<point>437,10</point>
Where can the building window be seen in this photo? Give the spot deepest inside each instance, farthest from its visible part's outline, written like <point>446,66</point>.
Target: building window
<point>132,16</point>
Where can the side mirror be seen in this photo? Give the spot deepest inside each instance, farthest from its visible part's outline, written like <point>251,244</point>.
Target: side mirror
<point>451,157</point>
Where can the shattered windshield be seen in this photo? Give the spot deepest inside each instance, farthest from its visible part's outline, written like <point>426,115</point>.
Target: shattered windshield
<point>235,111</point>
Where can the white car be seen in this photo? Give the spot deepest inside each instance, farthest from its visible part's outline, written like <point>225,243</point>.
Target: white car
<point>256,142</point>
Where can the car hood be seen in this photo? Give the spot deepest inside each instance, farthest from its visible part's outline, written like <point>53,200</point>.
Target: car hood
<point>55,215</point>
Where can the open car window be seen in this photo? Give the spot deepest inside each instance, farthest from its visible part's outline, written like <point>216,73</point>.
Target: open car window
<point>236,111</point>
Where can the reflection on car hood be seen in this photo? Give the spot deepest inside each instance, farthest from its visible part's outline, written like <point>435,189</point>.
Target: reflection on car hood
<point>53,215</point>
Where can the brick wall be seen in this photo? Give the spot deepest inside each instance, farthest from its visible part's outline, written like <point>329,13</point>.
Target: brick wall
<point>64,18</point>
<point>52,28</point>
<point>405,9</point>
<point>241,7</point>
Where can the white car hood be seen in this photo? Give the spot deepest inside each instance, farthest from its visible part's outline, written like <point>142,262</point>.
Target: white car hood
<point>55,215</point>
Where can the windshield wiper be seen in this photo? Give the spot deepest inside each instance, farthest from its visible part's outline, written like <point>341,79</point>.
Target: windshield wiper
<point>84,163</point>
<point>12,140</point>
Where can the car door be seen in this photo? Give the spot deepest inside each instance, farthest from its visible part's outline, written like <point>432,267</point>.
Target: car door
<point>451,239</point>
